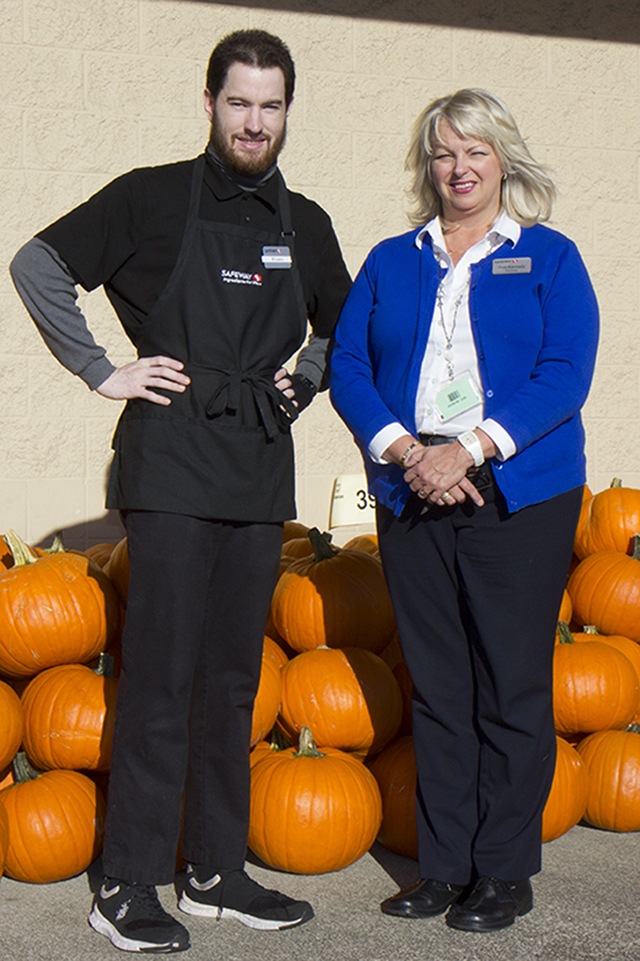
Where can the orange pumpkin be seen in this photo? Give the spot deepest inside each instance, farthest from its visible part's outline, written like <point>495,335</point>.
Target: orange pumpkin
<point>56,824</point>
<point>612,759</point>
<point>273,650</point>
<point>395,770</point>
<point>293,529</point>
<point>267,702</point>
<point>312,811</point>
<point>58,608</point>
<point>566,607</point>
<point>625,645</point>
<point>69,717</point>
<point>605,591</point>
<point>403,677</point>
<point>11,724</point>
<point>364,542</point>
<point>609,521</point>
<point>118,570</point>
<point>337,598</point>
<point>567,800</point>
<point>100,553</point>
<point>594,686</point>
<point>349,698</point>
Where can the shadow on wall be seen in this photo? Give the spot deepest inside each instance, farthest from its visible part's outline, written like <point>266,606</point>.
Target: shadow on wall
<point>617,21</point>
<point>105,529</point>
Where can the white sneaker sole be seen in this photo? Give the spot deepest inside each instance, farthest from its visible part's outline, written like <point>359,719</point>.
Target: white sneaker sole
<point>100,924</point>
<point>212,911</point>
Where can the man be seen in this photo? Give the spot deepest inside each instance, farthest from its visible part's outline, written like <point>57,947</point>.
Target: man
<point>213,268</point>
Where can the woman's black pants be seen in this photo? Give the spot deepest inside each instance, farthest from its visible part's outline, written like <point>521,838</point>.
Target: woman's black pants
<point>199,596</point>
<point>476,593</point>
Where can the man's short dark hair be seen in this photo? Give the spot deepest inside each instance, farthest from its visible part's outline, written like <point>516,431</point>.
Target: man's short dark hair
<point>256,48</point>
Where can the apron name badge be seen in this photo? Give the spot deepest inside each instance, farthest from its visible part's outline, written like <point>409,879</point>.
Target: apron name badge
<point>276,258</point>
<point>512,265</point>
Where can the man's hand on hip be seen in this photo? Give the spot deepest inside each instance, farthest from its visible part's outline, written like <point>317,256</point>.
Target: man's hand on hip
<point>140,377</point>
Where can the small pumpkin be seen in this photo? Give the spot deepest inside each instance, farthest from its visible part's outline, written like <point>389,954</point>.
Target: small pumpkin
<point>56,824</point>
<point>336,598</point>
<point>57,608</point>
<point>594,686</point>
<point>605,591</point>
<point>349,698</point>
<point>567,800</point>
<point>100,553</point>
<point>118,570</point>
<point>11,724</point>
<point>364,542</point>
<point>612,759</point>
<point>293,529</point>
<point>312,811</point>
<point>69,717</point>
<point>395,770</point>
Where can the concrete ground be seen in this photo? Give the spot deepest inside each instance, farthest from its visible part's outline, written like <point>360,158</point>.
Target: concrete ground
<point>586,910</point>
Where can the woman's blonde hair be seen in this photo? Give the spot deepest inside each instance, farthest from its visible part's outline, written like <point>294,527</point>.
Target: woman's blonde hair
<point>527,189</point>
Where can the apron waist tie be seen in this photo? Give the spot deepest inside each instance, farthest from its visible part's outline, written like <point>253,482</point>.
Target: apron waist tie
<point>271,403</point>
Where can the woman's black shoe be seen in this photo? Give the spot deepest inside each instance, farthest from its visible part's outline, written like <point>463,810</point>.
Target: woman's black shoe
<point>425,900</point>
<point>491,904</point>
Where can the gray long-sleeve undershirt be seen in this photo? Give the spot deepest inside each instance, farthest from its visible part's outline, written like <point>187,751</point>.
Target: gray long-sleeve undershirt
<point>48,291</point>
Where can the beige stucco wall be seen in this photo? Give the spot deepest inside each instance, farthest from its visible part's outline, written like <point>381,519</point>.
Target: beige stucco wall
<point>91,88</point>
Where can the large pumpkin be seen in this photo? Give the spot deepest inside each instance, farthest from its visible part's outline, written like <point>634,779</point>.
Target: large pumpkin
<point>69,717</point>
<point>349,698</point>
<point>58,608</point>
<point>625,645</point>
<point>56,824</point>
<point>567,800</point>
<point>605,591</point>
<point>312,811</point>
<point>337,598</point>
<point>594,686</point>
<point>609,522</point>
<point>11,724</point>
<point>395,770</point>
<point>613,763</point>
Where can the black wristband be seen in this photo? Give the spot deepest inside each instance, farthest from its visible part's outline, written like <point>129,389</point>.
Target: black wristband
<point>304,390</point>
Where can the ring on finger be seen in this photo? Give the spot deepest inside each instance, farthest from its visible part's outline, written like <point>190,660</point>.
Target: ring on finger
<point>446,496</point>
<point>422,492</point>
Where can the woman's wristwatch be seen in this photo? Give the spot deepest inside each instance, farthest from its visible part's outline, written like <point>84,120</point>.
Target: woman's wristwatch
<point>471,443</point>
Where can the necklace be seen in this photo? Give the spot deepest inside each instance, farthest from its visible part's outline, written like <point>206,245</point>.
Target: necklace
<point>448,334</point>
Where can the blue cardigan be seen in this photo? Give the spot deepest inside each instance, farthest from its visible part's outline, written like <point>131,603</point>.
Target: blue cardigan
<point>535,334</point>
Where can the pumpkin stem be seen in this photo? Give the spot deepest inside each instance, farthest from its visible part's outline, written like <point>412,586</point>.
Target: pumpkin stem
<point>22,553</point>
<point>57,545</point>
<point>321,543</point>
<point>616,482</point>
<point>590,629</point>
<point>105,666</point>
<point>633,728</point>
<point>22,770</point>
<point>566,637</point>
<point>306,745</point>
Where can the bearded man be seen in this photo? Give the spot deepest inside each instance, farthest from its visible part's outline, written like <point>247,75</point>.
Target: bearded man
<point>213,268</point>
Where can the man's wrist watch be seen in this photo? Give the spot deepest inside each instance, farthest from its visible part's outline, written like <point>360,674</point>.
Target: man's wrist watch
<point>471,443</point>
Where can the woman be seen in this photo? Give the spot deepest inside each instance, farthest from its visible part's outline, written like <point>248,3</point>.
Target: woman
<point>464,353</point>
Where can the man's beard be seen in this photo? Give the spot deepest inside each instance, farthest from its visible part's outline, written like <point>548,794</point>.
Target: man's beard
<point>246,166</point>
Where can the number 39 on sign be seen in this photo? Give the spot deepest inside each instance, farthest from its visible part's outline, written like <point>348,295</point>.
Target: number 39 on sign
<point>350,501</point>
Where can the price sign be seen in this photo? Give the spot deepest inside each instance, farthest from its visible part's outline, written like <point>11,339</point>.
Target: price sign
<point>351,503</point>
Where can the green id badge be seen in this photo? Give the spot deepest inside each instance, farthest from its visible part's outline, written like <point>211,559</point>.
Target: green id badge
<point>457,397</point>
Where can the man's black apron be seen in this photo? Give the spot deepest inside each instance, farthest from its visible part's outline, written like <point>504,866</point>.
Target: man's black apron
<point>223,448</point>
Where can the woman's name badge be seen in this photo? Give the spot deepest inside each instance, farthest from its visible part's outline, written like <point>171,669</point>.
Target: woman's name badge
<point>457,397</point>
<point>511,265</point>
<point>276,258</point>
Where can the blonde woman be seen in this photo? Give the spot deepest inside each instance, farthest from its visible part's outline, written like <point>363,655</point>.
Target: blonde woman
<point>464,354</point>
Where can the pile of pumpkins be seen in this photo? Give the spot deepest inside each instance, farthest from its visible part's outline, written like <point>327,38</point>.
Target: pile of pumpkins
<point>332,757</point>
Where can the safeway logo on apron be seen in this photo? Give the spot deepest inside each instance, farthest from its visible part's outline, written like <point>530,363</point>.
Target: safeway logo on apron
<point>238,277</point>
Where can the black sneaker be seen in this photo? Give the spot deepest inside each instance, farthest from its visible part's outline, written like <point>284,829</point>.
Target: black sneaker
<point>233,894</point>
<point>133,919</point>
